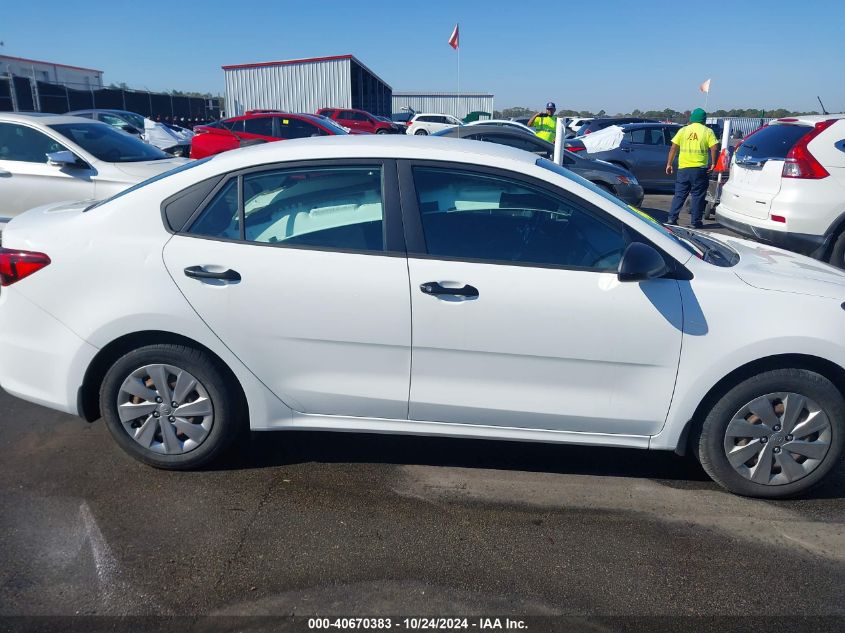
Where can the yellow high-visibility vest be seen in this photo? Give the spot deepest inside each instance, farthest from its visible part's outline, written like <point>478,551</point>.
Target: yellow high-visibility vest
<point>545,127</point>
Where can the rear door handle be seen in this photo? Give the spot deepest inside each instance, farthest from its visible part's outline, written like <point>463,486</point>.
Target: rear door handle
<point>434,288</point>
<point>198,272</point>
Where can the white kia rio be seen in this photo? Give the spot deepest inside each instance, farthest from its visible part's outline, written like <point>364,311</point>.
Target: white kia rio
<point>428,286</point>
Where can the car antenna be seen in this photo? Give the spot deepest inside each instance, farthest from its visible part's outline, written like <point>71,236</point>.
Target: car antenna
<point>822,105</point>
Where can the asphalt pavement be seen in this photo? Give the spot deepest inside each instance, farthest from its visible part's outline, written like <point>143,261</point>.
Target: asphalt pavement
<point>335,524</point>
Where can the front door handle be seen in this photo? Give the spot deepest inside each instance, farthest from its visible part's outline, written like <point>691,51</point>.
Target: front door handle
<point>198,272</point>
<point>434,288</point>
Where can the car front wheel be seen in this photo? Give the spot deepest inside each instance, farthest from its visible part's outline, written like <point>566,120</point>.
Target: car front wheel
<point>170,406</point>
<point>774,435</point>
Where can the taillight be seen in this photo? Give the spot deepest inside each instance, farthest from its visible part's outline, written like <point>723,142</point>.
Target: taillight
<point>577,148</point>
<point>800,163</point>
<point>16,265</point>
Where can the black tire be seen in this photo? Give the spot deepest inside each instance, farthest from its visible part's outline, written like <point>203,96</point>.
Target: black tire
<point>837,252</point>
<point>382,131</point>
<point>226,403</point>
<point>708,444</point>
<point>420,133</point>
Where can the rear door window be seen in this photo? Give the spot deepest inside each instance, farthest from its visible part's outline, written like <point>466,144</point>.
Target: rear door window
<point>262,126</point>
<point>290,128</point>
<point>771,142</point>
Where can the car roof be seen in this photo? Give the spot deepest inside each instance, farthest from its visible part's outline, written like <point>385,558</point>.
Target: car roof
<point>809,119</point>
<point>648,124</point>
<point>480,129</point>
<point>375,146</point>
<point>43,118</point>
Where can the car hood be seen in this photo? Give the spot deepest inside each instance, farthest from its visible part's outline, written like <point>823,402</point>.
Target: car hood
<point>771,268</point>
<point>147,169</point>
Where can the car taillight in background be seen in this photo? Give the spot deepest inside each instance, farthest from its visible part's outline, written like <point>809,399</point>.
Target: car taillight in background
<point>576,148</point>
<point>16,265</point>
<point>800,163</point>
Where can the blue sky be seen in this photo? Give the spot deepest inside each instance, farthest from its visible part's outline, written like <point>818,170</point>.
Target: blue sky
<point>623,55</point>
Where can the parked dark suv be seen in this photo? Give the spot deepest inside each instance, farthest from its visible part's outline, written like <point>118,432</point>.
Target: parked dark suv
<point>643,152</point>
<point>599,124</point>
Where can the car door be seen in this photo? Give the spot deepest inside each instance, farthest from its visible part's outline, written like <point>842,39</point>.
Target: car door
<point>347,118</point>
<point>647,158</point>
<point>259,128</point>
<point>27,180</point>
<point>518,317</point>
<point>365,124</point>
<point>300,270</point>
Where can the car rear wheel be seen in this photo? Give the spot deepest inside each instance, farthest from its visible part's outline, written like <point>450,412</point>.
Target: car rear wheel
<point>774,435</point>
<point>420,133</point>
<point>170,406</point>
<point>382,131</point>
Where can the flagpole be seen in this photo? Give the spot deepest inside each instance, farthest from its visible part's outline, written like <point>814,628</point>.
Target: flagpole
<point>458,27</point>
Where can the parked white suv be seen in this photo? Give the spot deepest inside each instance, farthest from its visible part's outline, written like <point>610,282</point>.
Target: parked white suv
<point>48,158</point>
<point>787,186</point>
<point>427,123</point>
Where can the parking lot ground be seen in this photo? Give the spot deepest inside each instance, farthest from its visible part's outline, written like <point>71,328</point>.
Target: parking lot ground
<point>322,523</point>
<point>335,524</point>
<point>657,205</point>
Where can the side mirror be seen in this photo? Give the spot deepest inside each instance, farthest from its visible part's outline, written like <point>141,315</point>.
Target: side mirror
<point>641,262</point>
<point>64,158</point>
<point>130,129</point>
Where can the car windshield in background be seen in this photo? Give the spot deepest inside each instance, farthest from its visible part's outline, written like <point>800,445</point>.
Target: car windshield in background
<point>134,119</point>
<point>331,125</point>
<point>771,142</point>
<point>149,181</point>
<point>108,144</point>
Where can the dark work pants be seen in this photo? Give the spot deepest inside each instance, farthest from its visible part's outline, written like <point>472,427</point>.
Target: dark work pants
<point>691,180</point>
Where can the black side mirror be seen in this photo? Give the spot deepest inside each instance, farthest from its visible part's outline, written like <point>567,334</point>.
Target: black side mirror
<point>130,129</point>
<point>641,262</point>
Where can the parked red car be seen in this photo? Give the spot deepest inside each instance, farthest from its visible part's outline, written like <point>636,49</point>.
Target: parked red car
<point>258,126</point>
<point>360,121</point>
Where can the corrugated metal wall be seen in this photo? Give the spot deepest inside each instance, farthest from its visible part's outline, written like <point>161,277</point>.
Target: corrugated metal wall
<point>303,87</point>
<point>745,125</point>
<point>458,105</point>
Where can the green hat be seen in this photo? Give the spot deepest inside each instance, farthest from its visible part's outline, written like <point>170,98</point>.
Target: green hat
<point>698,116</point>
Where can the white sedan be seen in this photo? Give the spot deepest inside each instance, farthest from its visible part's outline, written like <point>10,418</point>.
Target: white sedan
<point>51,158</point>
<point>290,285</point>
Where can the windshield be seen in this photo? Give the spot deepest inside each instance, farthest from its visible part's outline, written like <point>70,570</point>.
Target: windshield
<point>330,124</point>
<point>640,215</point>
<point>149,181</point>
<point>136,120</point>
<point>107,144</point>
<point>771,142</point>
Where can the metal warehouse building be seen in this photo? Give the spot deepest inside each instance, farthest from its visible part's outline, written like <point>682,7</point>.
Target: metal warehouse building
<point>454,103</point>
<point>305,85</point>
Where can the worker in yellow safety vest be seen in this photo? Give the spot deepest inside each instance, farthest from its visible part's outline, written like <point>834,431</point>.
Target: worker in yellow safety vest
<point>545,124</point>
<point>694,144</point>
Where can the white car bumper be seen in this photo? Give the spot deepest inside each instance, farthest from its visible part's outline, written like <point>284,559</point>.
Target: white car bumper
<point>44,362</point>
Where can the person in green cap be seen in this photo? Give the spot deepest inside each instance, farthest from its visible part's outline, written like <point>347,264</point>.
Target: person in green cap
<point>691,145</point>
